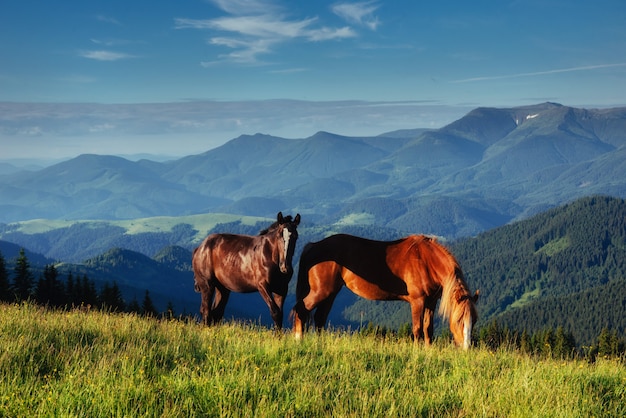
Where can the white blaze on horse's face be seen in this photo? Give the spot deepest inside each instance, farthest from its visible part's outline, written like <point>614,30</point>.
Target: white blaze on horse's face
<point>467,332</point>
<point>286,238</point>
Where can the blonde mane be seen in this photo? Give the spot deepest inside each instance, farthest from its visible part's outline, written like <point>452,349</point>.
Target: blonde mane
<point>455,293</point>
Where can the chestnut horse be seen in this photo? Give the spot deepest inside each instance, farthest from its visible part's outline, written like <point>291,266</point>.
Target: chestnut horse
<point>226,263</point>
<point>416,269</point>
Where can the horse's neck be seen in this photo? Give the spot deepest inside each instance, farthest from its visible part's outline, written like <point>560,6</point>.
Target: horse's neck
<point>272,238</point>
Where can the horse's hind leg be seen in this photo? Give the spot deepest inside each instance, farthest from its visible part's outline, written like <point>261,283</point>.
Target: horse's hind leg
<point>300,319</point>
<point>206,293</point>
<point>417,316</point>
<point>323,309</point>
<point>219,304</point>
<point>324,283</point>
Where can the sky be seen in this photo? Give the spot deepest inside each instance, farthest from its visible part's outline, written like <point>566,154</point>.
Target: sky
<point>181,77</point>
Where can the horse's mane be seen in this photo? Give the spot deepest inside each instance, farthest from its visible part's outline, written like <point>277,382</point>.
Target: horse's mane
<point>454,293</point>
<point>286,219</point>
<point>454,287</point>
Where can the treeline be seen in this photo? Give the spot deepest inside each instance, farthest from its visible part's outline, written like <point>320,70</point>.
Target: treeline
<point>546,343</point>
<point>73,292</point>
<point>551,343</point>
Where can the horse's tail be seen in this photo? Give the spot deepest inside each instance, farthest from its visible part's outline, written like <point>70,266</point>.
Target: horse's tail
<point>194,261</point>
<point>302,286</point>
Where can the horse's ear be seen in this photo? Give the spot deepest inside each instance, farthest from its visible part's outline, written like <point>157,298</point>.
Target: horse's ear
<point>297,220</point>
<point>279,218</point>
<point>475,297</point>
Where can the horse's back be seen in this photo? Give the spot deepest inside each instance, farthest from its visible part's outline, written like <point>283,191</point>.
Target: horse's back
<point>359,263</point>
<point>219,252</point>
<point>341,248</point>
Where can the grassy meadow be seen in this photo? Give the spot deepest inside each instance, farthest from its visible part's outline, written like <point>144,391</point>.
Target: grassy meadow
<point>73,363</point>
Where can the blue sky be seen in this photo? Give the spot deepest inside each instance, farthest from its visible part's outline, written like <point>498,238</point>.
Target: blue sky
<point>390,64</point>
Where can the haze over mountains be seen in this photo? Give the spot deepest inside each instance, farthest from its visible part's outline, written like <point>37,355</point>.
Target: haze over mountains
<point>484,170</point>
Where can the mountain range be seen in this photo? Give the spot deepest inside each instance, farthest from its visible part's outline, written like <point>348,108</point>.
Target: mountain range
<point>484,170</point>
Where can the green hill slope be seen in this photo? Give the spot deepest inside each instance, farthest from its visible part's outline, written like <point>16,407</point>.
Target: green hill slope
<point>563,267</point>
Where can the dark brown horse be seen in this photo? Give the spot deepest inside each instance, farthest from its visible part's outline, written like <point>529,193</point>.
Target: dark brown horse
<point>416,269</point>
<point>245,264</point>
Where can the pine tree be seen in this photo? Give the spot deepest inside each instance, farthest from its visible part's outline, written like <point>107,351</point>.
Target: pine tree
<point>609,344</point>
<point>492,335</point>
<point>526,343</point>
<point>147,307</point>
<point>133,306</point>
<point>5,288</point>
<point>49,289</point>
<point>111,298</point>
<point>169,311</point>
<point>564,344</point>
<point>89,295</point>
<point>23,280</point>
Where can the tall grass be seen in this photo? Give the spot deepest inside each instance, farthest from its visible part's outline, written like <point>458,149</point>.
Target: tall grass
<point>95,364</point>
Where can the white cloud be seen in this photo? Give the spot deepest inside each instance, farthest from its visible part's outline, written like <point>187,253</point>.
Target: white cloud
<point>539,73</point>
<point>104,127</point>
<point>254,28</point>
<point>245,7</point>
<point>361,13</point>
<point>108,19</point>
<point>327,34</point>
<point>102,55</point>
<point>264,26</point>
<point>30,131</point>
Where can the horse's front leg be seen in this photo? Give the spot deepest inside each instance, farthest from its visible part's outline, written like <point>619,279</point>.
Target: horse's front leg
<point>417,316</point>
<point>275,310</point>
<point>429,310</point>
<point>428,325</point>
<point>279,299</point>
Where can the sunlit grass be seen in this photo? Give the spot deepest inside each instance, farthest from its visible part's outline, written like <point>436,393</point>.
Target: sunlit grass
<point>96,364</point>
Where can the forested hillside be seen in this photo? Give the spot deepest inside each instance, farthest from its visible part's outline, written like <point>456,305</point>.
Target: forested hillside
<point>565,267</point>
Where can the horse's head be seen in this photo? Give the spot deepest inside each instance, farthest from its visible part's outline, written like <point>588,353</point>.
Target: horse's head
<point>463,317</point>
<point>287,234</point>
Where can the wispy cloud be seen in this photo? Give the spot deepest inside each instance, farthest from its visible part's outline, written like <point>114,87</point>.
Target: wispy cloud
<point>255,28</point>
<point>102,55</point>
<point>112,42</point>
<point>108,19</point>
<point>245,7</point>
<point>289,71</point>
<point>539,73</point>
<point>361,14</point>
